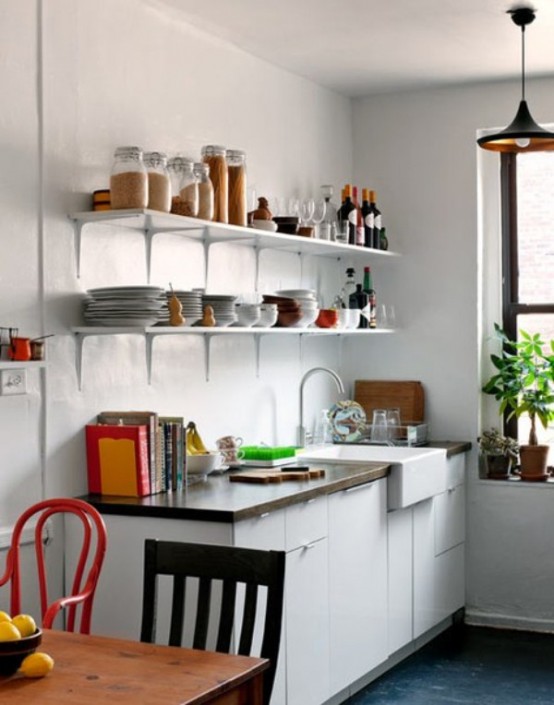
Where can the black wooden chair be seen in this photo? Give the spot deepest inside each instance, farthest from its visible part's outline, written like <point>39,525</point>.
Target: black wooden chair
<point>230,566</point>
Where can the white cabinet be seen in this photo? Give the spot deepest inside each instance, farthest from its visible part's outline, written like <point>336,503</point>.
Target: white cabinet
<point>400,578</point>
<point>357,582</point>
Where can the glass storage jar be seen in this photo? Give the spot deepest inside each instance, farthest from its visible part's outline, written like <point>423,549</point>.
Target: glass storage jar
<point>205,191</point>
<point>128,180</point>
<point>184,187</point>
<point>236,166</point>
<point>215,157</point>
<point>159,186</point>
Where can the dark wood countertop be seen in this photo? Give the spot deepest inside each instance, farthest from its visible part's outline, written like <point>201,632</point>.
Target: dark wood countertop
<point>219,500</point>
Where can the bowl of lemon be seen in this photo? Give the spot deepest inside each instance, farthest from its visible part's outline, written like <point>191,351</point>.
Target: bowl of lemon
<point>19,640</point>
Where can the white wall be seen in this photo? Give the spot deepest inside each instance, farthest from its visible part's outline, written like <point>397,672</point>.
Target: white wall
<point>417,149</point>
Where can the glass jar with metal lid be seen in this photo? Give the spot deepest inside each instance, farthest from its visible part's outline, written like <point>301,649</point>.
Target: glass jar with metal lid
<point>236,166</point>
<point>128,180</point>
<point>184,186</point>
<point>215,157</point>
<point>205,191</point>
<point>159,186</point>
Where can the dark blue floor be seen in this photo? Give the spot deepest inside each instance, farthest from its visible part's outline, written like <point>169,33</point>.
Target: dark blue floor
<point>470,666</point>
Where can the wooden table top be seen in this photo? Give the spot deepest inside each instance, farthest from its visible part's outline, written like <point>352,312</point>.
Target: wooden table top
<point>90,670</point>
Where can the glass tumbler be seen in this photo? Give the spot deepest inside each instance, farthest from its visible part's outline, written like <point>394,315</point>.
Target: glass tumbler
<point>379,433</point>
<point>393,425</point>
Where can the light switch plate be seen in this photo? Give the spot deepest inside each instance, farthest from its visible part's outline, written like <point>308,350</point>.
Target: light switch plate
<point>13,382</point>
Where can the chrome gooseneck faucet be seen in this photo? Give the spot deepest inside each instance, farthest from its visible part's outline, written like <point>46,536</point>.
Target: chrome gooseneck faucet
<point>301,430</point>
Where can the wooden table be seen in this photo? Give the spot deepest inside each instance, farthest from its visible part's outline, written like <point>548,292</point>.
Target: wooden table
<point>90,670</point>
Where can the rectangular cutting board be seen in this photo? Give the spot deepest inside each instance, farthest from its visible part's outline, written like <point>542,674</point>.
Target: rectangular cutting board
<point>265,476</point>
<point>408,396</point>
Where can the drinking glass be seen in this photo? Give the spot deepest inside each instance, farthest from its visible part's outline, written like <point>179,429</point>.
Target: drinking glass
<point>379,432</point>
<point>342,231</point>
<point>393,424</point>
<point>307,207</point>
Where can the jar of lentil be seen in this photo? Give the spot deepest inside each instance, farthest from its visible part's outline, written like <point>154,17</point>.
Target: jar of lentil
<point>215,157</point>
<point>205,191</point>
<point>159,186</point>
<point>128,180</point>
<point>236,166</point>
<point>184,186</point>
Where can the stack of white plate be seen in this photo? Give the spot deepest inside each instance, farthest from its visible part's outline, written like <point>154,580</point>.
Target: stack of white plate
<point>124,306</point>
<point>223,306</point>
<point>307,300</point>
<point>191,303</point>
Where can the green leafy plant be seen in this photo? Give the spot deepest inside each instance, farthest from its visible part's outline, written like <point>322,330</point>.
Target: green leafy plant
<point>495,443</point>
<point>524,381</point>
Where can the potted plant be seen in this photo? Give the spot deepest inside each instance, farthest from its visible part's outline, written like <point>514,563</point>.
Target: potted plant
<point>499,453</point>
<point>524,384</point>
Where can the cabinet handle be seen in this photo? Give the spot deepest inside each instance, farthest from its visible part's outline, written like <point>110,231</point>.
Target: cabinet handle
<point>307,546</point>
<point>356,488</point>
<point>264,515</point>
<point>451,489</point>
<point>309,501</point>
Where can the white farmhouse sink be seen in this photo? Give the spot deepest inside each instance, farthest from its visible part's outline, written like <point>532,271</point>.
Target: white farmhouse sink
<point>416,473</point>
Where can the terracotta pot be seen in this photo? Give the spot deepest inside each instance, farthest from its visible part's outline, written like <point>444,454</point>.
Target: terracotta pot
<point>498,466</point>
<point>534,462</point>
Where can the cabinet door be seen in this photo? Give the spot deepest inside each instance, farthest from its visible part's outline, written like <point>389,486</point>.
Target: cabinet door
<point>424,567</point>
<point>450,581</point>
<point>400,578</point>
<point>357,582</point>
<point>306,625</point>
<point>450,525</point>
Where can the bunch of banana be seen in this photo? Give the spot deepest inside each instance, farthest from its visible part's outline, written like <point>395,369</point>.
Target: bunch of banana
<point>195,444</point>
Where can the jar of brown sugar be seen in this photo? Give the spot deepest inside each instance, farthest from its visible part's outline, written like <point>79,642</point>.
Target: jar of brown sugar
<point>159,187</point>
<point>205,191</point>
<point>128,180</point>
<point>184,186</point>
<point>236,165</point>
<point>215,157</point>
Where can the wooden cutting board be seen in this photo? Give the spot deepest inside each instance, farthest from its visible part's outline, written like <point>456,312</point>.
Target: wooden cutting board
<point>265,476</point>
<point>408,396</point>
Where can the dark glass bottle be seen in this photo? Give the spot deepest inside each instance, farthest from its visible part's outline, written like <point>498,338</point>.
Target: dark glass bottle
<point>359,220</point>
<point>349,288</point>
<point>377,222</point>
<point>359,299</point>
<point>347,212</point>
<point>368,219</point>
<point>372,298</point>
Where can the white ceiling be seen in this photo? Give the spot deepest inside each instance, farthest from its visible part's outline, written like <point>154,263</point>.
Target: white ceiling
<point>362,47</point>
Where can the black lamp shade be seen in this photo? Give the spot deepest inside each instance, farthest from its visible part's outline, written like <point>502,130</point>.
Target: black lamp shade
<point>522,128</point>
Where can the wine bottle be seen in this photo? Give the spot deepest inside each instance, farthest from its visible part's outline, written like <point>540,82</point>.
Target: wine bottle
<point>348,289</point>
<point>359,220</point>
<point>368,219</point>
<point>347,213</point>
<point>378,221</point>
<point>372,298</point>
<point>359,299</point>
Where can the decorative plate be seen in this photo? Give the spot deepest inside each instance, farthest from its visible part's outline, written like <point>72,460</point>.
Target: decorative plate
<point>348,420</point>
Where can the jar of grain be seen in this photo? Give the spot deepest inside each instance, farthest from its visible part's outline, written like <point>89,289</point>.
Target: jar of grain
<point>205,191</point>
<point>236,165</point>
<point>159,187</point>
<point>128,180</point>
<point>215,157</point>
<point>184,186</point>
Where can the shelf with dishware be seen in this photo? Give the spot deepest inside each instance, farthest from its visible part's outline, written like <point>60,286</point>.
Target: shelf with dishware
<point>153,223</point>
<point>149,333</point>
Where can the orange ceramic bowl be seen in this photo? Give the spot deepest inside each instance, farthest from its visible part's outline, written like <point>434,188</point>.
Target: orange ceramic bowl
<point>328,318</point>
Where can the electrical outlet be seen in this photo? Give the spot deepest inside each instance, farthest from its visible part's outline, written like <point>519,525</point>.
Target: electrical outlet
<point>13,382</point>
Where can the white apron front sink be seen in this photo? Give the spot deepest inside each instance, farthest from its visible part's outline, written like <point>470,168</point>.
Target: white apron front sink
<point>416,473</point>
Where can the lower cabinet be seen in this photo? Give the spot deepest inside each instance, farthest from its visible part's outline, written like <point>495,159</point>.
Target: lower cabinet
<point>357,582</point>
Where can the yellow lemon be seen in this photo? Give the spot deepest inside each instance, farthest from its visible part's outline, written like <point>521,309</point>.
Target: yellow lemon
<point>25,623</point>
<point>36,665</point>
<point>5,617</point>
<point>9,632</point>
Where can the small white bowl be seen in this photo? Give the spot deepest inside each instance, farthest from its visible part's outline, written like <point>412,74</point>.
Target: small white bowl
<point>268,225</point>
<point>203,464</point>
<point>267,319</point>
<point>308,317</point>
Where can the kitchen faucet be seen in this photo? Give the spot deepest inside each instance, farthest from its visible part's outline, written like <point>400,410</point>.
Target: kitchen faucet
<point>301,430</point>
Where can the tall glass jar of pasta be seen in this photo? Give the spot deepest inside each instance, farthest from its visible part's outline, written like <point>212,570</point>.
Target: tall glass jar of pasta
<point>236,164</point>
<point>215,157</point>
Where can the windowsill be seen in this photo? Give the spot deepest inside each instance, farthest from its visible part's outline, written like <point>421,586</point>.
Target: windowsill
<point>517,482</point>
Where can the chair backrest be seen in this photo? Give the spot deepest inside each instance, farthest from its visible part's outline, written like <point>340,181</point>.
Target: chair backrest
<point>87,565</point>
<point>231,566</point>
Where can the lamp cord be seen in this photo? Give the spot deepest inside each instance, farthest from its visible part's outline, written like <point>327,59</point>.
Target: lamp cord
<point>523,62</point>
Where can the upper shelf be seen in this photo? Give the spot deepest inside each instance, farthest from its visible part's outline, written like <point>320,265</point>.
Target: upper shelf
<point>154,222</point>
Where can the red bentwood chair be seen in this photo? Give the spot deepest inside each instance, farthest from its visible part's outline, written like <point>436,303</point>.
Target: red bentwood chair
<point>87,568</point>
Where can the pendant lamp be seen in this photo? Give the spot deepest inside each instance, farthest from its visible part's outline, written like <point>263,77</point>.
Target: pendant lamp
<point>522,134</point>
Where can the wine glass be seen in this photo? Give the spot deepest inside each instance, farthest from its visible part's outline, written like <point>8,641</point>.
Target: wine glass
<point>307,207</point>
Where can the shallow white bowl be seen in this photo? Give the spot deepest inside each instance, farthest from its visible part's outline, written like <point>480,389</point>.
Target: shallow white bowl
<point>203,464</point>
<point>268,225</point>
<point>297,293</point>
<point>308,317</point>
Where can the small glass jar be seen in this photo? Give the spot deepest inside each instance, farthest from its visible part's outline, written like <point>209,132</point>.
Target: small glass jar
<point>205,191</point>
<point>184,187</point>
<point>128,180</point>
<point>159,186</point>
<point>236,165</point>
<point>215,157</point>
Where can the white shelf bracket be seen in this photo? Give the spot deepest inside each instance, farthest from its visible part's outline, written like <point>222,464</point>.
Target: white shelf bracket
<point>78,226</point>
<point>257,341</point>
<point>207,354</point>
<point>148,237</point>
<point>257,270</point>
<point>149,343</point>
<point>79,340</point>
<point>301,349</point>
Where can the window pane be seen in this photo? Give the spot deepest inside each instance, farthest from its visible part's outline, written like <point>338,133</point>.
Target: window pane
<point>535,224</point>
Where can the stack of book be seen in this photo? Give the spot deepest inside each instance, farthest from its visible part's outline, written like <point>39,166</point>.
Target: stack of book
<point>135,453</point>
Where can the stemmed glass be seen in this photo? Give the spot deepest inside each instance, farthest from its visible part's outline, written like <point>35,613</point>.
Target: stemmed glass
<point>307,207</point>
